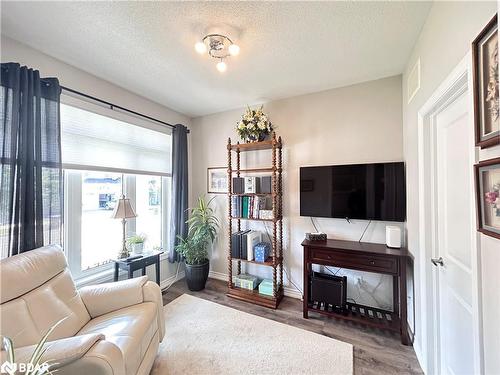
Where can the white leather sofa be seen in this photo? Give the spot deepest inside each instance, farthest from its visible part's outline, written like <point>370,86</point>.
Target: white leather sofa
<point>112,328</point>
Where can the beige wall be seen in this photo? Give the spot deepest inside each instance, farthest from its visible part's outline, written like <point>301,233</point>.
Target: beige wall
<point>355,124</point>
<point>445,39</point>
<point>72,77</point>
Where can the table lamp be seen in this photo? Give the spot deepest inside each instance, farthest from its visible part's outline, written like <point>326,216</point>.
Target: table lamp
<point>124,211</point>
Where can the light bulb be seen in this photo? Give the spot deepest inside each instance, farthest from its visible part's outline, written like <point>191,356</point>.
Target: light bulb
<point>200,47</point>
<point>234,49</point>
<point>221,66</point>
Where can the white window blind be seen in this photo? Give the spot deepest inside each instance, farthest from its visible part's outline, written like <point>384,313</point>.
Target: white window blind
<point>93,140</point>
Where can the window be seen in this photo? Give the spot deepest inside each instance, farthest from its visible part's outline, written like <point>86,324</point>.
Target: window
<point>103,158</point>
<point>101,235</point>
<point>148,205</point>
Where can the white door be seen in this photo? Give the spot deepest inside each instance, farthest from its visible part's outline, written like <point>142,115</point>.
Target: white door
<point>453,253</point>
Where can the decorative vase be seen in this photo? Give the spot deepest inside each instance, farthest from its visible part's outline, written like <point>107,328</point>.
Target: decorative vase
<point>138,248</point>
<point>197,275</point>
<point>256,138</point>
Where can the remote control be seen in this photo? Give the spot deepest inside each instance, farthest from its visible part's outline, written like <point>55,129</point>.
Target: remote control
<point>129,259</point>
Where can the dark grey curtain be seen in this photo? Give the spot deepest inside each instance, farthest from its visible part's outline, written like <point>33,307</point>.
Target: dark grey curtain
<point>179,203</point>
<point>31,180</point>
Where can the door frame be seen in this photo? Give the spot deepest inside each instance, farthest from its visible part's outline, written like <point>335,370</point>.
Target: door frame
<point>458,83</point>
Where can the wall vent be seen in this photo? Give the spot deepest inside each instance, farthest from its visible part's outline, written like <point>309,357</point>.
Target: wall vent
<point>413,83</point>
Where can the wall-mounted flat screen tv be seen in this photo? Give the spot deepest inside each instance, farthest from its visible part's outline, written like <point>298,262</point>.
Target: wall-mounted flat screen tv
<point>355,191</point>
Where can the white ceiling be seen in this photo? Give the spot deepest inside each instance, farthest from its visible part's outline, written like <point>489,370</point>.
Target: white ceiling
<point>287,48</point>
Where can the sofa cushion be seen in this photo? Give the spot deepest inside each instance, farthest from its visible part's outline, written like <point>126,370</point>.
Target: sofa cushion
<point>130,328</point>
<point>28,318</point>
<point>27,271</point>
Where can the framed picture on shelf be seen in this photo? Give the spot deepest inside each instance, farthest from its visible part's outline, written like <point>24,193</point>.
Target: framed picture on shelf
<point>485,83</point>
<point>217,180</point>
<point>488,197</point>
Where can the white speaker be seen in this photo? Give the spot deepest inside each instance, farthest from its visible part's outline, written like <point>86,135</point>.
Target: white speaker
<point>393,236</point>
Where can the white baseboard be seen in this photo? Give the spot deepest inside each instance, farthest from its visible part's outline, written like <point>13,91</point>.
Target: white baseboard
<point>170,280</point>
<point>289,292</point>
<point>293,293</point>
<point>217,275</point>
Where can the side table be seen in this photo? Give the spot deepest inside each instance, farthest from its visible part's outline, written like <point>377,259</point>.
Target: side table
<point>141,263</point>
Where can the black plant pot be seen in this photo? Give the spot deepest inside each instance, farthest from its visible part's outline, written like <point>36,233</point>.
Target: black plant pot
<point>197,275</point>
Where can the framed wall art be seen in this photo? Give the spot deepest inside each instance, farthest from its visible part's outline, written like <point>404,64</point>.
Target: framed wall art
<point>488,197</point>
<point>485,85</point>
<point>217,180</point>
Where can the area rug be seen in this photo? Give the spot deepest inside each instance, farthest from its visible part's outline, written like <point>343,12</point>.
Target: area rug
<point>203,337</point>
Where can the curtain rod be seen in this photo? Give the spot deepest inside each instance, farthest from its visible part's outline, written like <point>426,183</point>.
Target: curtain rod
<point>112,106</point>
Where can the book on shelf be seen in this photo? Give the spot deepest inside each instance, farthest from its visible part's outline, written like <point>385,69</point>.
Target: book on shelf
<point>253,238</point>
<point>235,245</point>
<point>252,185</point>
<point>238,185</point>
<point>248,207</point>
<point>244,208</point>
<point>265,185</point>
<point>236,206</point>
<point>243,243</point>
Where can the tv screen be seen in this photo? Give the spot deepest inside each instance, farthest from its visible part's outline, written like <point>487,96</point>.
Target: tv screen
<point>356,191</point>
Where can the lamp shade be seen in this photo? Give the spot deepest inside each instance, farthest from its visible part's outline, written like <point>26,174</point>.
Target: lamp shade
<point>123,209</point>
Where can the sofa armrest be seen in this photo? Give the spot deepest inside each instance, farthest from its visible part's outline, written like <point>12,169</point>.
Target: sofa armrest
<point>104,358</point>
<point>104,298</point>
<point>152,293</point>
<point>61,352</point>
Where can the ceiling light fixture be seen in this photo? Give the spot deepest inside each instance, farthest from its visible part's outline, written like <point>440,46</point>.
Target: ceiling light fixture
<point>219,47</point>
<point>221,66</point>
<point>200,47</point>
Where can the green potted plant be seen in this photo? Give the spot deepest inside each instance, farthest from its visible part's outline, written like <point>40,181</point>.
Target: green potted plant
<point>136,243</point>
<point>35,366</point>
<point>203,225</point>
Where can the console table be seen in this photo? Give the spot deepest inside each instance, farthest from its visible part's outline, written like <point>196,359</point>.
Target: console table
<point>368,257</point>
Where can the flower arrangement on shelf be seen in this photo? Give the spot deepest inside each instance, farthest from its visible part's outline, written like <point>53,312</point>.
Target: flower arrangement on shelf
<point>493,198</point>
<point>254,125</point>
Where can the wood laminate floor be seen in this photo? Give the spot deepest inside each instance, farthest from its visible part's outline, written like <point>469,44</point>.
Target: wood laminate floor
<point>375,351</point>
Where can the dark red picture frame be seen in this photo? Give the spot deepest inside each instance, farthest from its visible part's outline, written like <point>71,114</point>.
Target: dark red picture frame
<point>485,143</point>
<point>480,194</point>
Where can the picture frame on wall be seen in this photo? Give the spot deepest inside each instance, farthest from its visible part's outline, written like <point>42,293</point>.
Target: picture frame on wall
<point>487,175</point>
<point>217,180</point>
<point>485,85</point>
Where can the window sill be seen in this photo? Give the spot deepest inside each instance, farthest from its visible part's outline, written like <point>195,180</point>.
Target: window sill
<point>95,278</point>
<point>104,276</point>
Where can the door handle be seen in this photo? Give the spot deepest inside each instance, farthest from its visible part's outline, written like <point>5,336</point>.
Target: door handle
<point>437,261</point>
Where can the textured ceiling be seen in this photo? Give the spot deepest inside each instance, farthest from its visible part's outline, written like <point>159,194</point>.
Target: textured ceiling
<point>287,48</point>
